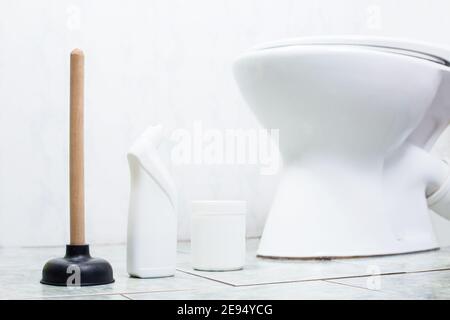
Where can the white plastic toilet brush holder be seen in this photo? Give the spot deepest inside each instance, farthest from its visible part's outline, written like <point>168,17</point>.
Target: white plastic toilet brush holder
<point>218,235</point>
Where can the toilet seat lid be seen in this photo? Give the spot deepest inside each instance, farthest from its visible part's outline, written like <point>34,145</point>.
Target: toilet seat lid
<point>423,50</point>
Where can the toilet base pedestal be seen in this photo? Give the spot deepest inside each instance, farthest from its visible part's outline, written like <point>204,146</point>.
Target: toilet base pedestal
<point>320,212</point>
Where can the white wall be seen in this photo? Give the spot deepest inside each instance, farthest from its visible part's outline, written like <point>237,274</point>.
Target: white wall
<point>159,61</point>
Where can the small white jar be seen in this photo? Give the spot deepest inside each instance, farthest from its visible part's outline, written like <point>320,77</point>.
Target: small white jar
<point>218,235</point>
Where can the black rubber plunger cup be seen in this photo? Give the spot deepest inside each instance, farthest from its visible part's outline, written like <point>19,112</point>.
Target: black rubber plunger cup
<point>77,267</point>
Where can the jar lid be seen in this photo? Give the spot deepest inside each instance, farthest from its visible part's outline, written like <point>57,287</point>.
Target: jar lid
<point>230,207</point>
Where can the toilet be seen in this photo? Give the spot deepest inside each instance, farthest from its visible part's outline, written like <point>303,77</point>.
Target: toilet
<point>357,117</point>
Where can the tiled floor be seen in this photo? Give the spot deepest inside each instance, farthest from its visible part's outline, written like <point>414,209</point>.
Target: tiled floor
<point>412,276</point>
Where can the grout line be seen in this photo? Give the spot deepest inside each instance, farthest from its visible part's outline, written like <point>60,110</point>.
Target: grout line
<point>154,291</point>
<point>204,277</point>
<point>365,288</point>
<point>332,280</point>
<point>104,294</point>
<point>126,297</point>
<point>393,273</point>
<point>382,275</point>
<point>157,291</point>
<point>310,280</point>
<point>297,281</point>
<point>431,270</point>
<point>349,285</point>
<point>67,296</point>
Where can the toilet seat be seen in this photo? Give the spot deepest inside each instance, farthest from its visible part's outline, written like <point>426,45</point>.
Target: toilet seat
<point>421,50</point>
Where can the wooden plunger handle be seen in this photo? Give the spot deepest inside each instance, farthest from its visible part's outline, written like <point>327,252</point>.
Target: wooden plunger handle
<point>76,148</point>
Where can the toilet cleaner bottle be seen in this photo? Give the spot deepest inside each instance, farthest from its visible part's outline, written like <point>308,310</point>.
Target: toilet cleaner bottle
<point>152,219</point>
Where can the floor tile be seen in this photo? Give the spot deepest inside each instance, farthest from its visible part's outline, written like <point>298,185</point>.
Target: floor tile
<point>422,285</point>
<point>296,290</point>
<point>265,271</point>
<point>412,262</point>
<point>20,273</point>
<point>89,297</point>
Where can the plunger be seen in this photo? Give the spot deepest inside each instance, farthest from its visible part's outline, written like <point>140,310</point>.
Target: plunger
<point>77,267</point>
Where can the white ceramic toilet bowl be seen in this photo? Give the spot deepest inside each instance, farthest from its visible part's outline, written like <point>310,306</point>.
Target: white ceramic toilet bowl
<point>357,117</point>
